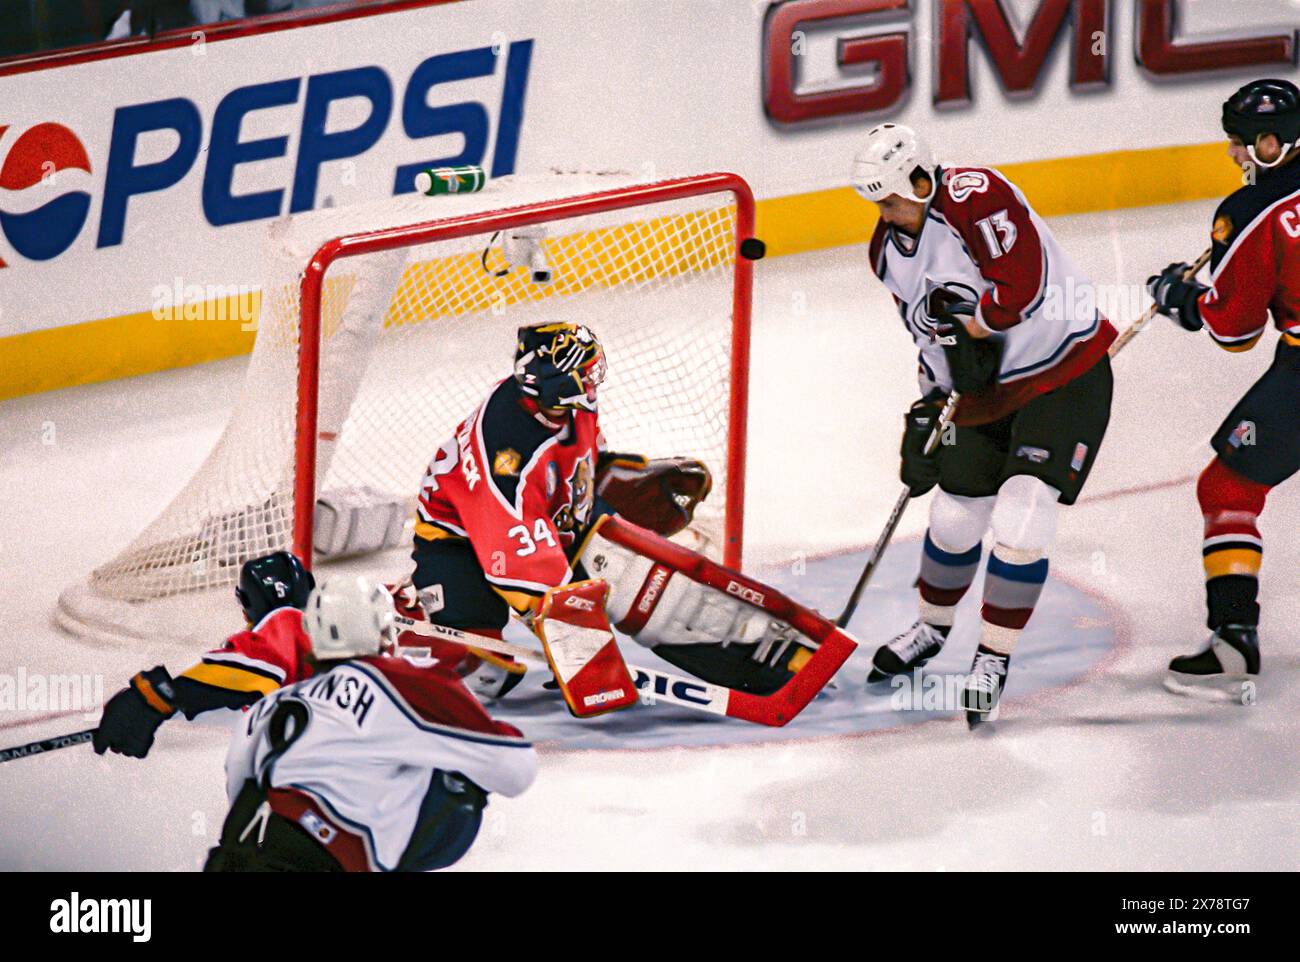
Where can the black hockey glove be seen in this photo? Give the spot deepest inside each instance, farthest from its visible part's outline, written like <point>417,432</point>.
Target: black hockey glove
<point>1177,298</point>
<point>973,361</point>
<point>920,472</point>
<point>133,715</point>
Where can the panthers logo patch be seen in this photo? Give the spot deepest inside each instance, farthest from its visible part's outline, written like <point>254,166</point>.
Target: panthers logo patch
<point>582,497</point>
<point>1222,229</point>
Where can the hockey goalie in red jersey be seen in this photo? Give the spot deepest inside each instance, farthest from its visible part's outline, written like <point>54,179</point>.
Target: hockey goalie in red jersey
<point>1001,315</point>
<point>524,493</point>
<point>1254,273</point>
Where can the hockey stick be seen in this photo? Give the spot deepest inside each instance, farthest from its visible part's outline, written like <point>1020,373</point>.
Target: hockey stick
<point>655,686</point>
<point>895,516</point>
<point>658,687</point>
<point>46,745</point>
<point>1134,329</point>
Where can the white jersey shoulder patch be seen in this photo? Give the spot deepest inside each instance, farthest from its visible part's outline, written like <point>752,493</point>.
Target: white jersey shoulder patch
<point>964,183</point>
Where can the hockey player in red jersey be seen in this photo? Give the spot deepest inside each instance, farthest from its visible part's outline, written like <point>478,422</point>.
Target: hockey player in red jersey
<point>1254,272</point>
<point>513,498</point>
<point>374,762</point>
<point>990,299</point>
<point>270,652</point>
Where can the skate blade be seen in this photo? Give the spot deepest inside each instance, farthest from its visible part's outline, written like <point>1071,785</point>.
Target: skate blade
<point>876,676</point>
<point>976,718</point>
<point>1237,689</point>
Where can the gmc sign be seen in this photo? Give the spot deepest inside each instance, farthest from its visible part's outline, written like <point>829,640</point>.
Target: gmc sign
<point>884,53</point>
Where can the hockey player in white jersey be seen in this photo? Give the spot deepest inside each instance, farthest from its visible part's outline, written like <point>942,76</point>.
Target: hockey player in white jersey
<point>1000,314</point>
<point>375,762</point>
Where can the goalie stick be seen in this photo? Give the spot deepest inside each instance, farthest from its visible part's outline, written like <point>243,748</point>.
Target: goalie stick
<point>662,687</point>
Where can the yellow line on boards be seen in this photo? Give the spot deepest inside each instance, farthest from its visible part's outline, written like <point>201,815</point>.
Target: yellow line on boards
<point>132,344</point>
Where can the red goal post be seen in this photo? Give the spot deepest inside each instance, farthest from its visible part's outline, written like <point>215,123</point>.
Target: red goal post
<point>383,324</point>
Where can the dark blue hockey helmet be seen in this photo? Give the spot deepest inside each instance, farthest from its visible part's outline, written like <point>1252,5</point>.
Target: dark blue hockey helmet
<point>559,365</point>
<point>273,581</point>
<point>1264,107</point>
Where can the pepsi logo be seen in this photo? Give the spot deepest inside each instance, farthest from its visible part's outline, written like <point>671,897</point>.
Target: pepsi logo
<point>39,216</point>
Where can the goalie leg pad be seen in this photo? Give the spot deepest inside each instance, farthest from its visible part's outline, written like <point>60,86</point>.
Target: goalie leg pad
<point>719,632</point>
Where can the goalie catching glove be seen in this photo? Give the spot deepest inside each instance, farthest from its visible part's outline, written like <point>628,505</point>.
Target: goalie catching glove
<point>659,494</point>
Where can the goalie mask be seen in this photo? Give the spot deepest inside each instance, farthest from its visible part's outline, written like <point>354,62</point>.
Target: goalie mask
<point>559,365</point>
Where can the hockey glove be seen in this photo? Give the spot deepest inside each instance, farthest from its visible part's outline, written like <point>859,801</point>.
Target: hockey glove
<point>920,472</point>
<point>1176,297</point>
<point>660,495</point>
<point>133,715</point>
<point>973,361</point>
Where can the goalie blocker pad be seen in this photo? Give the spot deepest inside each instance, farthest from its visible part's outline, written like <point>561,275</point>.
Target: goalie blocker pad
<point>581,649</point>
<point>662,594</point>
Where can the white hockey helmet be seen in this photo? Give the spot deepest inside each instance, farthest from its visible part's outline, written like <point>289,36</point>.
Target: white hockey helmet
<point>348,616</point>
<point>887,160</point>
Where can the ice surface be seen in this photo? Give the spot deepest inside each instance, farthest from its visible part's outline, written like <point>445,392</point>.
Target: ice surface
<point>1093,766</point>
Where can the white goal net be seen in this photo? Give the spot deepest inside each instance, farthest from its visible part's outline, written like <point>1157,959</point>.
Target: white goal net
<point>418,310</point>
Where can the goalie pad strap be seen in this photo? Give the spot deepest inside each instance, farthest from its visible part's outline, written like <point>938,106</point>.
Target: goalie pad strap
<point>693,567</point>
<point>647,599</point>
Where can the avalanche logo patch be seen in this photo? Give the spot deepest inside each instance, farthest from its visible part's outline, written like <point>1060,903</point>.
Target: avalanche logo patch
<point>29,173</point>
<point>961,185</point>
